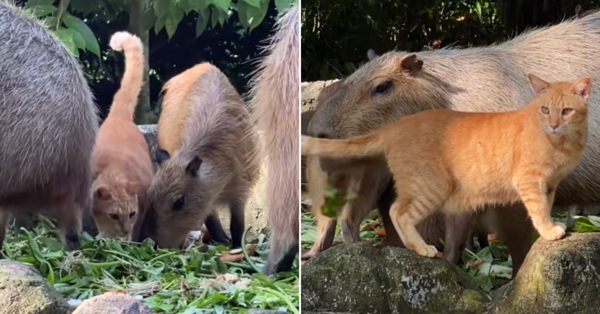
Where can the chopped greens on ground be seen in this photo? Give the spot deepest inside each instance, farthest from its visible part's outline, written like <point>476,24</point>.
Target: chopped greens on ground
<point>202,279</point>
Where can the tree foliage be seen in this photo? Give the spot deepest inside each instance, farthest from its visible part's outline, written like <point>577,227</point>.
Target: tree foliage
<point>181,33</point>
<point>336,34</point>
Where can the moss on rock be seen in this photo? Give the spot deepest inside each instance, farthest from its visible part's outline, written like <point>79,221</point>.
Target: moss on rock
<point>24,291</point>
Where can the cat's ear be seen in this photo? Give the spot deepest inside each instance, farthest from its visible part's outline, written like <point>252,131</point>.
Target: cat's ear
<point>539,86</point>
<point>161,155</point>
<point>371,54</point>
<point>193,166</point>
<point>582,88</point>
<point>102,193</point>
<point>409,64</point>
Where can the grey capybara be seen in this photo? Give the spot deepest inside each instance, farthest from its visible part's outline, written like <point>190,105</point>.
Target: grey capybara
<point>48,124</point>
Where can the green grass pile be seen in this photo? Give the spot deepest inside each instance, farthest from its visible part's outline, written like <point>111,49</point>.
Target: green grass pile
<point>168,281</point>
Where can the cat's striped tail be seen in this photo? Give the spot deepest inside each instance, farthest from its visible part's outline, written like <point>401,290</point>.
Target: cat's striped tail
<point>364,146</point>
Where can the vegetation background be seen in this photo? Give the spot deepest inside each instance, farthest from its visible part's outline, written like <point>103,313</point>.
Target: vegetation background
<point>177,33</point>
<point>336,34</point>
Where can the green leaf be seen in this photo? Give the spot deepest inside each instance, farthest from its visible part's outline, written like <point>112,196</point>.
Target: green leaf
<point>162,7</point>
<point>222,4</point>
<point>258,15</point>
<point>282,5</point>
<point>149,18</point>
<point>222,17</point>
<point>91,43</point>
<point>254,3</point>
<point>214,16</point>
<point>43,10</point>
<point>160,23</point>
<point>243,14</point>
<point>78,40</point>
<point>202,22</point>
<point>295,3</point>
<point>187,5</point>
<point>173,19</point>
<point>31,3</point>
<point>66,38</point>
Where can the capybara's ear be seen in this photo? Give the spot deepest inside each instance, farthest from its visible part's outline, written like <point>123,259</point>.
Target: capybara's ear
<point>193,166</point>
<point>539,86</point>
<point>582,87</point>
<point>409,64</point>
<point>371,54</point>
<point>161,155</point>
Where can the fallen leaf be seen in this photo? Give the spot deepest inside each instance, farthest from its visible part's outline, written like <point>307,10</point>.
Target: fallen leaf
<point>371,226</point>
<point>228,257</point>
<point>439,255</point>
<point>379,232</point>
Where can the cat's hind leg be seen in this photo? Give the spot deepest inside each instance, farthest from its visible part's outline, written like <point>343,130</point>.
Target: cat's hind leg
<point>406,213</point>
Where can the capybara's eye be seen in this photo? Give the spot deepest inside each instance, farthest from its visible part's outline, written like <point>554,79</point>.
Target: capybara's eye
<point>178,204</point>
<point>383,88</point>
<point>545,110</point>
<point>566,111</point>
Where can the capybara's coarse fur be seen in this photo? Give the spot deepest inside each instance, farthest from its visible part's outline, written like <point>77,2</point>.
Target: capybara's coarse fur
<point>48,124</point>
<point>519,155</point>
<point>276,100</point>
<point>476,79</point>
<point>121,166</point>
<point>206,156</point>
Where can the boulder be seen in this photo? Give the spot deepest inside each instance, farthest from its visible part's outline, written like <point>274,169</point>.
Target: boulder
<point>556,277</point>
<point>359,278</point>
<point>113,303</point>
<point>24,291</point>
<point>255,311</point>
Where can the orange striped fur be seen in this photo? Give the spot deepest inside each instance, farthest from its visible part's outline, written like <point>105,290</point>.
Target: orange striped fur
<point>458,161</point>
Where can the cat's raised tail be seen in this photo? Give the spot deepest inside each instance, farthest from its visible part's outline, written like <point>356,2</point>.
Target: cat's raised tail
<point>126,97</point>
<point>363,146</point>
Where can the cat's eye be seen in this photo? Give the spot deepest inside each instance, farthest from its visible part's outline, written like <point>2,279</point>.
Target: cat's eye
<point>566,111</point>
<point>114,216</point>
<point>132,214</point>
<point>545,110</point>
<point>178,204</point>
<point>382,88</point>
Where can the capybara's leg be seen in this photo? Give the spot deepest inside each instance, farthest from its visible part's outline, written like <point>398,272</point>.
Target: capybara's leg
<point>458,230</point>
<point>384,204</point>
<point>359,206</point>
<point>215,229</point>
<point>325,235</point>
<point>68,213</point>
<point>237,224</point>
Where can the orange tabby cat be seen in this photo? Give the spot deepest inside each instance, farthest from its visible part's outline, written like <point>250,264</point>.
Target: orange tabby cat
<point>121,162</point>
<point>459,161</point>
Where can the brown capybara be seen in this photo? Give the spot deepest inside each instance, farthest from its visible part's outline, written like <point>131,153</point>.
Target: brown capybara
<point>276,100</point>
<point>206,156</point>
<point>484,79</point>
<point>48,122</point>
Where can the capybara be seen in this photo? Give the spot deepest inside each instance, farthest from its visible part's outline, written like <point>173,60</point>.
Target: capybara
<point>276,100</point>
<point>48,122</point>
<point>206,156</point>
<point>477,79</point>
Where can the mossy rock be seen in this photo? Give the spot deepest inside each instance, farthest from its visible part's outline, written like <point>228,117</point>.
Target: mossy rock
<point>556,277</point>
<point>359,278</point>
<point>113,303</point>
<point>24,291</point>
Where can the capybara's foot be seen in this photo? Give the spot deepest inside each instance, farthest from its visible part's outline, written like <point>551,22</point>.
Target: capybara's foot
<point>555,233</point>
<point>72,241</point>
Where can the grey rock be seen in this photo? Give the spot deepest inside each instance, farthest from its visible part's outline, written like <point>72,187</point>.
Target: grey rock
<point>556,277</point>
<point>24,291</point>
<point>359,278</point>
<point>113,303</point>
<point>254,311</point>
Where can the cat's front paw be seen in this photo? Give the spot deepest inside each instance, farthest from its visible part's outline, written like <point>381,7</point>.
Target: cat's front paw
<point>305,144</point>
<point>426,250</point>
<point>555,233</point>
